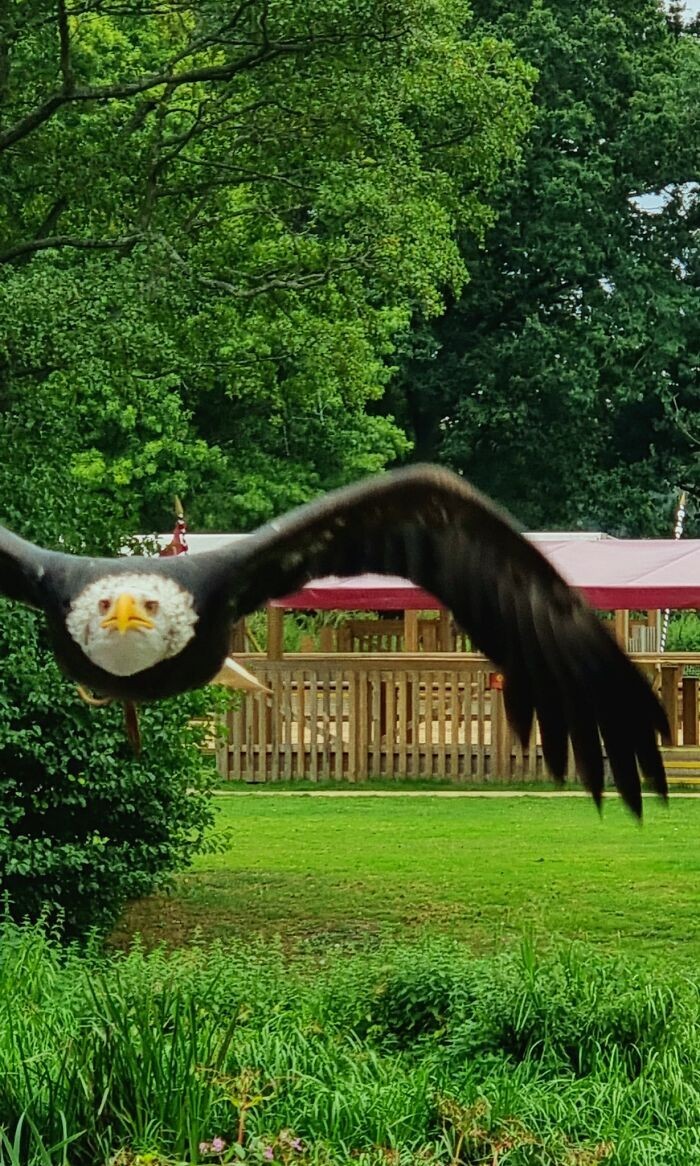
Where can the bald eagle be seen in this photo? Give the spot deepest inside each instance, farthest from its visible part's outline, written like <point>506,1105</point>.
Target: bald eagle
<point>142,629</point>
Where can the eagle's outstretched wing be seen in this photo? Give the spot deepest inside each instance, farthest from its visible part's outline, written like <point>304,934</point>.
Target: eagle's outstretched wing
<point>428,525</point>
<point>23,568</point>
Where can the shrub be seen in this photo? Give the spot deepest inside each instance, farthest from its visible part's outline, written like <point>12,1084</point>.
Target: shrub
<point>684,633</point>
<point>84,825</point>
<point>570,1007</point>
<point>418,995</point>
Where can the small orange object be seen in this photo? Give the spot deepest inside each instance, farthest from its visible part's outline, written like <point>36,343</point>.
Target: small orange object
<point>496,681</point>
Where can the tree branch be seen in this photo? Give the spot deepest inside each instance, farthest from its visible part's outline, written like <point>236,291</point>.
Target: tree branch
<point>215,73</point>
<point>64,39</point>
<point>276,283</point>
<point>244,173</point>
<point>692,438</point>
<point>32,120</point>
<point>266,50</point>
<point>56,242</point>
<point>217,37</point>
<point>100,9</point>
<point>273,282</point>
<point>43,112</point>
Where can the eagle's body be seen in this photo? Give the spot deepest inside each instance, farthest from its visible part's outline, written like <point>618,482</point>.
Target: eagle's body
<point>143,629</point>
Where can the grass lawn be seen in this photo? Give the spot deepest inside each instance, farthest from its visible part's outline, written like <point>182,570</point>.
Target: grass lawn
<point>342,870</point>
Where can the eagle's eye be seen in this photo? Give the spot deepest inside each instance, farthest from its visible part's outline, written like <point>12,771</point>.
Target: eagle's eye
<point>151,606</point>
<point>104,605</point>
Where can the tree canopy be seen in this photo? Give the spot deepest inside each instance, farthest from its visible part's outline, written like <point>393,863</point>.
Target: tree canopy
<point>217,222</point>
<point>564,377</point>
<point>228,236</point>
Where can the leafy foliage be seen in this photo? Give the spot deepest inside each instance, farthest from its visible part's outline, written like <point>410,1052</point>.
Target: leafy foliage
<point>214,224</point>
<point>684,632</point>
<point>164,1056</point>
<point>564,378</point>
<point>85,826</point>
<point>214,235</point>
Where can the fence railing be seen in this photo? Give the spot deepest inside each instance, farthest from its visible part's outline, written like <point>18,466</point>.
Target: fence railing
<point>431,634</point>
<point>351,717</point>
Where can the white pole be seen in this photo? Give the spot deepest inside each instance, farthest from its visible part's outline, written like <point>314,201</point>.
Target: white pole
<point>677,532</point>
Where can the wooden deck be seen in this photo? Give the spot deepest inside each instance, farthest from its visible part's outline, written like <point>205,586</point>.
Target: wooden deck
<point>351,716</point>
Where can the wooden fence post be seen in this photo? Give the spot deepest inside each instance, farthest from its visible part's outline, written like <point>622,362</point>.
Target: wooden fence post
<point>669,697</point>
<point>690,710</point>
<point>410,636</point>
<point>622,628</point>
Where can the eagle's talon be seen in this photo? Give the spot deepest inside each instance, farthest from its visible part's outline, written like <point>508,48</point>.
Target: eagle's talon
<point>96,702</point>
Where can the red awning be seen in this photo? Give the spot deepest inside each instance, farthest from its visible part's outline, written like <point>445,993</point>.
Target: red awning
<point>612,573</point>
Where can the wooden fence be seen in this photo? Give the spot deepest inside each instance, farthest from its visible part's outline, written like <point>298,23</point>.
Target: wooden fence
<point>389,635</point>
<point>351,717</point>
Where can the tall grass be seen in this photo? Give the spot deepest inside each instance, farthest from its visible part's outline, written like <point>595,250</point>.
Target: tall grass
<point>400,1055</point>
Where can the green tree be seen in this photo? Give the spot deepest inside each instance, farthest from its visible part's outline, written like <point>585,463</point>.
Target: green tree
<point>564,378</point>
<point>217,223</point>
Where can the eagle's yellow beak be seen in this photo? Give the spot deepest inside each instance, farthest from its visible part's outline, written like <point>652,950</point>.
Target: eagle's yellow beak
<point>126,614</point>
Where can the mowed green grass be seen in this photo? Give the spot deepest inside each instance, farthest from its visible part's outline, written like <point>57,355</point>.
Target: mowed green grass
<point>319,869</point>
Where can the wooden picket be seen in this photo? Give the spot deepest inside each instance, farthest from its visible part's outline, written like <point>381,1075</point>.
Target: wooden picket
<point>352,717</point>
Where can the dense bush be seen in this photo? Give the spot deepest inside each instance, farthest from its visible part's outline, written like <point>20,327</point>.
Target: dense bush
<point>568,1006</point>
<point>84,825</point>
<point>684,632</point>
<point>143,1060</point>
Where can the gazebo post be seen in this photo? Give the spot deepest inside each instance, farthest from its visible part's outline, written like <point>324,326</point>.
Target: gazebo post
<point>654,621</point>
<point>444,626</point>
<point>275,632</point>
<point>238,636</point>
<point>689,689</point>
<point>410,644</point>
<point>410,631</point>
<point>669,697</point>
<point>622,627</point>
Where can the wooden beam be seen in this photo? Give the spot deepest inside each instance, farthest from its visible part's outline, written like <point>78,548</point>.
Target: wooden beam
<point>238,637</point>
<point>325,639</point>
<point>222,736</point>
<point>275,633</point>
<point>689,686</point>
<point>622,627</point>
<point>669,697</point>
<point>410,631</point>
<point>444,632</point>
<point>654,621</point>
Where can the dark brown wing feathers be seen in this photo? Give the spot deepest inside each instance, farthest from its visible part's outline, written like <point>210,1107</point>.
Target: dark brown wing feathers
<point>429,526</point>
<point>22,568</point>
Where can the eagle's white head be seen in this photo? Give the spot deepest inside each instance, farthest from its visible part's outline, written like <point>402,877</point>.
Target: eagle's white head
<point>128,623</point>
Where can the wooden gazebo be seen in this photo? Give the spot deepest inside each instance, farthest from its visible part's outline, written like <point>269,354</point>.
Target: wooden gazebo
<point>393,697</point>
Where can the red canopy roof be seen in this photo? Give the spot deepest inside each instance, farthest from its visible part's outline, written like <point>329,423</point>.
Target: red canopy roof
<point>612,573</point>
